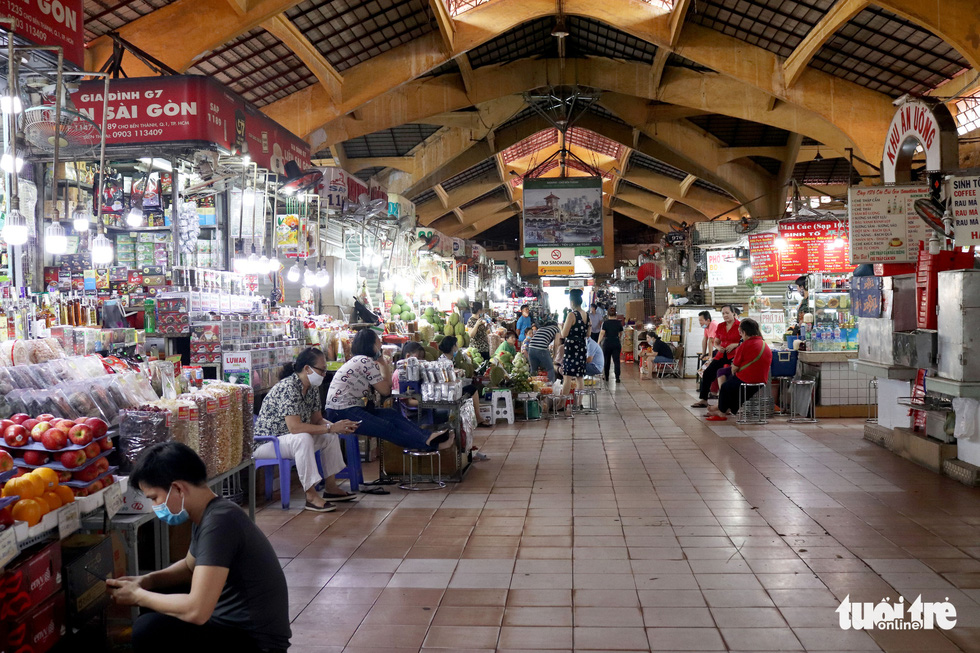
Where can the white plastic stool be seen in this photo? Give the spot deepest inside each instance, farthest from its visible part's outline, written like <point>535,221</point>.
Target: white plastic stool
<point>502,404</point>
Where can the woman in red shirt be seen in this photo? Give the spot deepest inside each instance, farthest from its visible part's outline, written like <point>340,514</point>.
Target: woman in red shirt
<point>726,340</point>
<point>750,365</point>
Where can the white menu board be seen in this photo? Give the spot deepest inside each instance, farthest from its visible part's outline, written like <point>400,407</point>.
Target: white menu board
<point>722,268</point>
<point>966,211</point>
<point>882,224</point>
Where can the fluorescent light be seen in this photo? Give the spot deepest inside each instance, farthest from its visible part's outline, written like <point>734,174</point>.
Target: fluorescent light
<point>161,164</point>
<point>15,229</point>
<point>101,250</point>
<point>11,104</point>
<point>135,217</point>
<point>55,240</point>
<point>9,164</point>
<point>80,220</point>
<point>294,273</point>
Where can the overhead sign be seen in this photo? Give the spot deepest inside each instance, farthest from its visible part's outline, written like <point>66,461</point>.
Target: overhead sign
<point>189,109</point>
<point>919,123</point>
<point>50,22</point>
<point>803,247</point>
<point>340,188</point>
<point>563,212</point>
<point>882,224</point>
<point>966,210</point>
<point>531,253</point>
<point>722,268</point>
<point>556,261</point>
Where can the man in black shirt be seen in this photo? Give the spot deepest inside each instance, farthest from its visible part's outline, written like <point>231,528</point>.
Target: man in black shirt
<point>237,600</point>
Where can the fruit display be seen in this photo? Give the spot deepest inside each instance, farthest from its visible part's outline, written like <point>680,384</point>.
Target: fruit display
<point>475,357</point>
<point>35,494</point>
<point>402,309</point>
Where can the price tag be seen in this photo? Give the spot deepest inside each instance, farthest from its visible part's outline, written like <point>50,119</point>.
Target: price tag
<point>113,500</point>
<point>8,547</point>
<point>69,520</point>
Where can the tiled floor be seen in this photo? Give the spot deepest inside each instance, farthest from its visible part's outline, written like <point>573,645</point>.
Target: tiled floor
<point>640,529</point>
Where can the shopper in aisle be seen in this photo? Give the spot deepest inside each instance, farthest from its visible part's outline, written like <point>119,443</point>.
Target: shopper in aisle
<point>238,599</point>
<point>354,384</point>
<point>611,339</point>
<point>291,412</point>
<point>478,328</point>
<point>524,324</point>
<point>726,340</point>
<point>709,326</point>
<point>596,317</point>
<point>574,333</point>
<point>749,365</point>
<point>538,354</point>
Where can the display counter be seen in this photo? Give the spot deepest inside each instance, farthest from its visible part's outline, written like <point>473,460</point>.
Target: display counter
<point>841,390</point>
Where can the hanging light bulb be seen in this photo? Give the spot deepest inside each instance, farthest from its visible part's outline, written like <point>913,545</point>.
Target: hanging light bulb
<point>80,220</point>
<point>253,263</point>
<point>309,277</point>
<point>11,104</point>
<point>135,217</point>
<point>240,263</point>
<point>55,240</point>
<point>322,278</point>
<point>294,273</point>
<point>263,265</point>
<point>15,229</point>
<point>838,242</point>
<point>274,265</point>
<point>101,250</point>
<point>11,164</point>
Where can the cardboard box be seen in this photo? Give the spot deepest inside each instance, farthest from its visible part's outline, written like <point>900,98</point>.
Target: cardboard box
<point>39,630</point>
<point>85,555</point>
<point>34,576</point>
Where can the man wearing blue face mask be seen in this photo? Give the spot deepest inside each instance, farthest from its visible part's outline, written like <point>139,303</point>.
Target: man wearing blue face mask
<point>238,599</point>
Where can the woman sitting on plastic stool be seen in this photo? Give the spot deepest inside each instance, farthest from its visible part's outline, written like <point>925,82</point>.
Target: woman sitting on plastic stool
<point>750,365</point>
<point>291,412</point>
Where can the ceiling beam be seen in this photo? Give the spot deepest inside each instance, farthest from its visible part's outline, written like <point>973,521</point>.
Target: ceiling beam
<point>465,70</point>
<point>954,21</point>
<point>403,163</point>
<point>842,12</point>
<point>447,27</point>
<point>284,30</point>
<point>677,15</point>
<point>488,222</point>
<point>640,215</point>
<point>657,68</point>
<point>732,153</point>
<point>450,226</point>
<point>441,195</point>
<point>338,153</point>
<point>429,212</point>
<point>686,184</point>
<point>777,200</point>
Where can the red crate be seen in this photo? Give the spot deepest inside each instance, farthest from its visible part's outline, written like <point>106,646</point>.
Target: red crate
<point>927,280</point>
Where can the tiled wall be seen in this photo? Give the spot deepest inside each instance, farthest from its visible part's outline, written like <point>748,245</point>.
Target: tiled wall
<point>839,384</point>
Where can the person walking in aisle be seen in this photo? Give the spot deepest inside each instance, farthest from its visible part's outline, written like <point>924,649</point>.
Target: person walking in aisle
<point>611,339</point>
<point>726,340</point>
<point>596,318</point>
<point>574,334</point>
<point>524,324</point>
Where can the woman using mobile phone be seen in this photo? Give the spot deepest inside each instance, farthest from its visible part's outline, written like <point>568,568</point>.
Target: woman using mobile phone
<point>365,372</point>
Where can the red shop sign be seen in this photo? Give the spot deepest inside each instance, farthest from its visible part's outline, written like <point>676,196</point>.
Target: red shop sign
<point>190,109</point>
<point>807,247</point>
<point>50,22</point>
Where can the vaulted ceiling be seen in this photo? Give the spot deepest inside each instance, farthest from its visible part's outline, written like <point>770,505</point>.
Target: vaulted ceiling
<point>707,108</point>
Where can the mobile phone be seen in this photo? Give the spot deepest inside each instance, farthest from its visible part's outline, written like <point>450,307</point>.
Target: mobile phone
<point>98,575</point>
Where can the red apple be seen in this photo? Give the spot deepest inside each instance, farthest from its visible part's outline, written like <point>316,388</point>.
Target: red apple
<point>6,517</point>
<point>102,464</point>
<point>72,459</point>
<point>105,444</point>
<point>30,423</point>
<point>4,423</point>
<point>95,487</point>
<point>54,439</point>
<point>19,418</point>
<point>92,450</point>
<point>108,480</point>
<point>80,491</point>
<point>85,475</point>
<point>55,421</point>
<point>80,434</point>
<point>36,458</point>
<point>39,430</point>
<point>64,477</point>
<point>46,417</point>
<point>6,461</point>
<point>16,436</point>
<point>99,428</point>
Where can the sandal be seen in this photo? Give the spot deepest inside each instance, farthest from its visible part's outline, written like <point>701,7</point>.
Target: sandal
<point>716,418</point>
<point>700,404</point>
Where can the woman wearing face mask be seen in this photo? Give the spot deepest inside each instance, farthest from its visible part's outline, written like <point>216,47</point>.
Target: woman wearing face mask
<point>291,412</point>
<point>355,382</point>
<point>449,346</point>
<point>726,340</point>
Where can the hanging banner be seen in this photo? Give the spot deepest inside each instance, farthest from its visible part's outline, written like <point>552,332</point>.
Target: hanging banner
<point>340,188</point>
<point>287,231</point>
<point>190,109</point>
<point>882,224</point>
<point>801,248</point>
<point>50,22</point>
<point>563,212</point>
<point>722,268</point>
<point>966,211</point>
<point>556,261</point>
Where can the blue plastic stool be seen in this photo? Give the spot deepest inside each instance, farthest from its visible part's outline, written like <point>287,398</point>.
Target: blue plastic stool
<point>352,456</point>
<point>284,464</point>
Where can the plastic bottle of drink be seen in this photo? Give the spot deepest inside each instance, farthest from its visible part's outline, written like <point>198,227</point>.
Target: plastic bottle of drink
<point>837,339</point>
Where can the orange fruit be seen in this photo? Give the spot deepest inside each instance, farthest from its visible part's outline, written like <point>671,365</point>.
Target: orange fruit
<point>20,487</point>
<point>49,476</point>
<point>45,508</point>
<point>40,485</point>
<point>53,500</point>
<point>27,510</point>
<point>65,494</point>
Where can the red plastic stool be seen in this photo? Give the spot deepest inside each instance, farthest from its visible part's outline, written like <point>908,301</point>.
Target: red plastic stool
<point>627,358</point>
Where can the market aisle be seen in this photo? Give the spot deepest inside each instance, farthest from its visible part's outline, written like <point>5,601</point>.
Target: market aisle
<point>639,529</point>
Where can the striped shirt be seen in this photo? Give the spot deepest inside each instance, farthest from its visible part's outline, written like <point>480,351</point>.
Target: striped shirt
<point>544,337</point>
